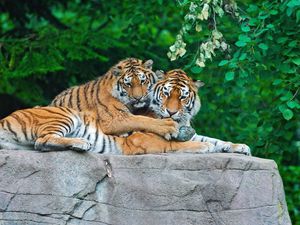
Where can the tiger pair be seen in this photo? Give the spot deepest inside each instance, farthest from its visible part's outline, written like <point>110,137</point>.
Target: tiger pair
<point>82,114</point>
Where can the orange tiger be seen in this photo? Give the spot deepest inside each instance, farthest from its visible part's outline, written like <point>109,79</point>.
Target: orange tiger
<point>114,96</point>
<point>61,128</point>
<point>175,97</point>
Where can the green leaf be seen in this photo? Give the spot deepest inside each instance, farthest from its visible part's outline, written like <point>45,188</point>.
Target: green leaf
<point>237,54</point>
<point>293,43</point>
<point>245,28</point>
<point>253,22</point>
<point>229,76</point>
<point>298,16</point>
<point>252,8</point>
<point>260,32</point>
<point>243,57</point>
<point>273,12</point>
<point>286,68</point>
<point>263,15</point>
<point>223,62</point>
<point>277,81</point>
<point>244,38</point>
<point>282,40</point>
<point>263,46</point>
<point>287,114</point>
<point>289,11</point>
<point>282,108</point>
<point>287,96</point>
<point>293,3</point>
<point>232,65</point>
<point>257,56</point>
<point>196,69</point>
<point>296,61</point>
<point>292,104</point>
<point>240,43</point>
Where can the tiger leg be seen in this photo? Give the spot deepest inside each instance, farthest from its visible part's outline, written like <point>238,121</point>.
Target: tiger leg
<point>148,143</point>
<point>125,123</point>
<point>224,146</point>
<point>51,142</point>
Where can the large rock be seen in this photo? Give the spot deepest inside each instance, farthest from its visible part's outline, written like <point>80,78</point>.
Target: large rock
<point>88,189</point>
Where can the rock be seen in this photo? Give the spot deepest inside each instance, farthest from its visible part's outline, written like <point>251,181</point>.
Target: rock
<point>185,133</point>
<point>169,189</point>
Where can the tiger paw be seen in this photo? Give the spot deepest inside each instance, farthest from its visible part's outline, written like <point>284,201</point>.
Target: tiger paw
<point>185,133</point>
<point>241,149</point>
<point>224,147</point>
<point>80,145</point>
<point>167,128</point>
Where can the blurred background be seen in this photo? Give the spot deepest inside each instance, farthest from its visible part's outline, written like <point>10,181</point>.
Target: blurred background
<point>252,88</point>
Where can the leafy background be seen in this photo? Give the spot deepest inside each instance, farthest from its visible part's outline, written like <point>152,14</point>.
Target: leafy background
<point>252,89</point>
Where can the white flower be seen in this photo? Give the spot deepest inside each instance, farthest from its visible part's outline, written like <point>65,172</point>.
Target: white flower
<point>200,63</point>
<point>216,34</point>
<point>198,27</point>
<point>204,11</point>
<point>193,6</point>
<point>181,52</point>
<point>172,48</point>
<point>217,43</point>
<point>224,46</point>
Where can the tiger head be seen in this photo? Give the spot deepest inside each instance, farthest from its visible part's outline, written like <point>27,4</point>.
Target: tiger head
<point>134,82</point>
<point>175,96</point>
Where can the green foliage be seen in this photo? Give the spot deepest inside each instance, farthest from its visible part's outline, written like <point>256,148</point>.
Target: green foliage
<point>247,54</point>
<point>79,41</point>
<point>291,177</point>
<point>253,89</point>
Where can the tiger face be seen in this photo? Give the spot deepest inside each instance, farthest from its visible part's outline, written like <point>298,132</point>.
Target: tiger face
<point>175,96</point>
<point>134,82</point>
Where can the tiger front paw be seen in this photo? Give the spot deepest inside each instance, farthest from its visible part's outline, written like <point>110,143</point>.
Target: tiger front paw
<point>224,147</point>
<point>80,145</point>
<point>241,149</point>
<point>167,128</point>
<point>234,148</point>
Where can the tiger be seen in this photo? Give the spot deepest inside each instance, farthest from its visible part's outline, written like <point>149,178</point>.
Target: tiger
<point>175,96</point>
<point>60,128</point>
<point>114,97</point>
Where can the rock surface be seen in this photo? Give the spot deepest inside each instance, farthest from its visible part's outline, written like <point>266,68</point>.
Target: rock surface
<point>185,189</point>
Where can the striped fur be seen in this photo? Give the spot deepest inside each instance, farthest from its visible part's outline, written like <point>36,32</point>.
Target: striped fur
<point>129,81</point>
<point>60,128</point>
<point>175,96</point>
<point>54,128</point>
<point>115,95</point>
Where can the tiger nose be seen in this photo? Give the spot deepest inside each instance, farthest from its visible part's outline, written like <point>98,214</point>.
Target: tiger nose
<point>137,98</point>
<point>171,113</point>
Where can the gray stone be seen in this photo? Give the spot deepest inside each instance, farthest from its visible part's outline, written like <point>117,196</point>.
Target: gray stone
<point>185,133</point>
<point>71,188</point>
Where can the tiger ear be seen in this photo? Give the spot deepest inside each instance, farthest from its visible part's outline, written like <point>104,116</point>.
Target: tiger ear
<point>160,74</point>
<point>148,64</point>
<point>116,71</point>
<point>199,83</point>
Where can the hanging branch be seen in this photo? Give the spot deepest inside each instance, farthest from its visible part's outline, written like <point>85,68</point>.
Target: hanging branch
<point>203,13</point>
